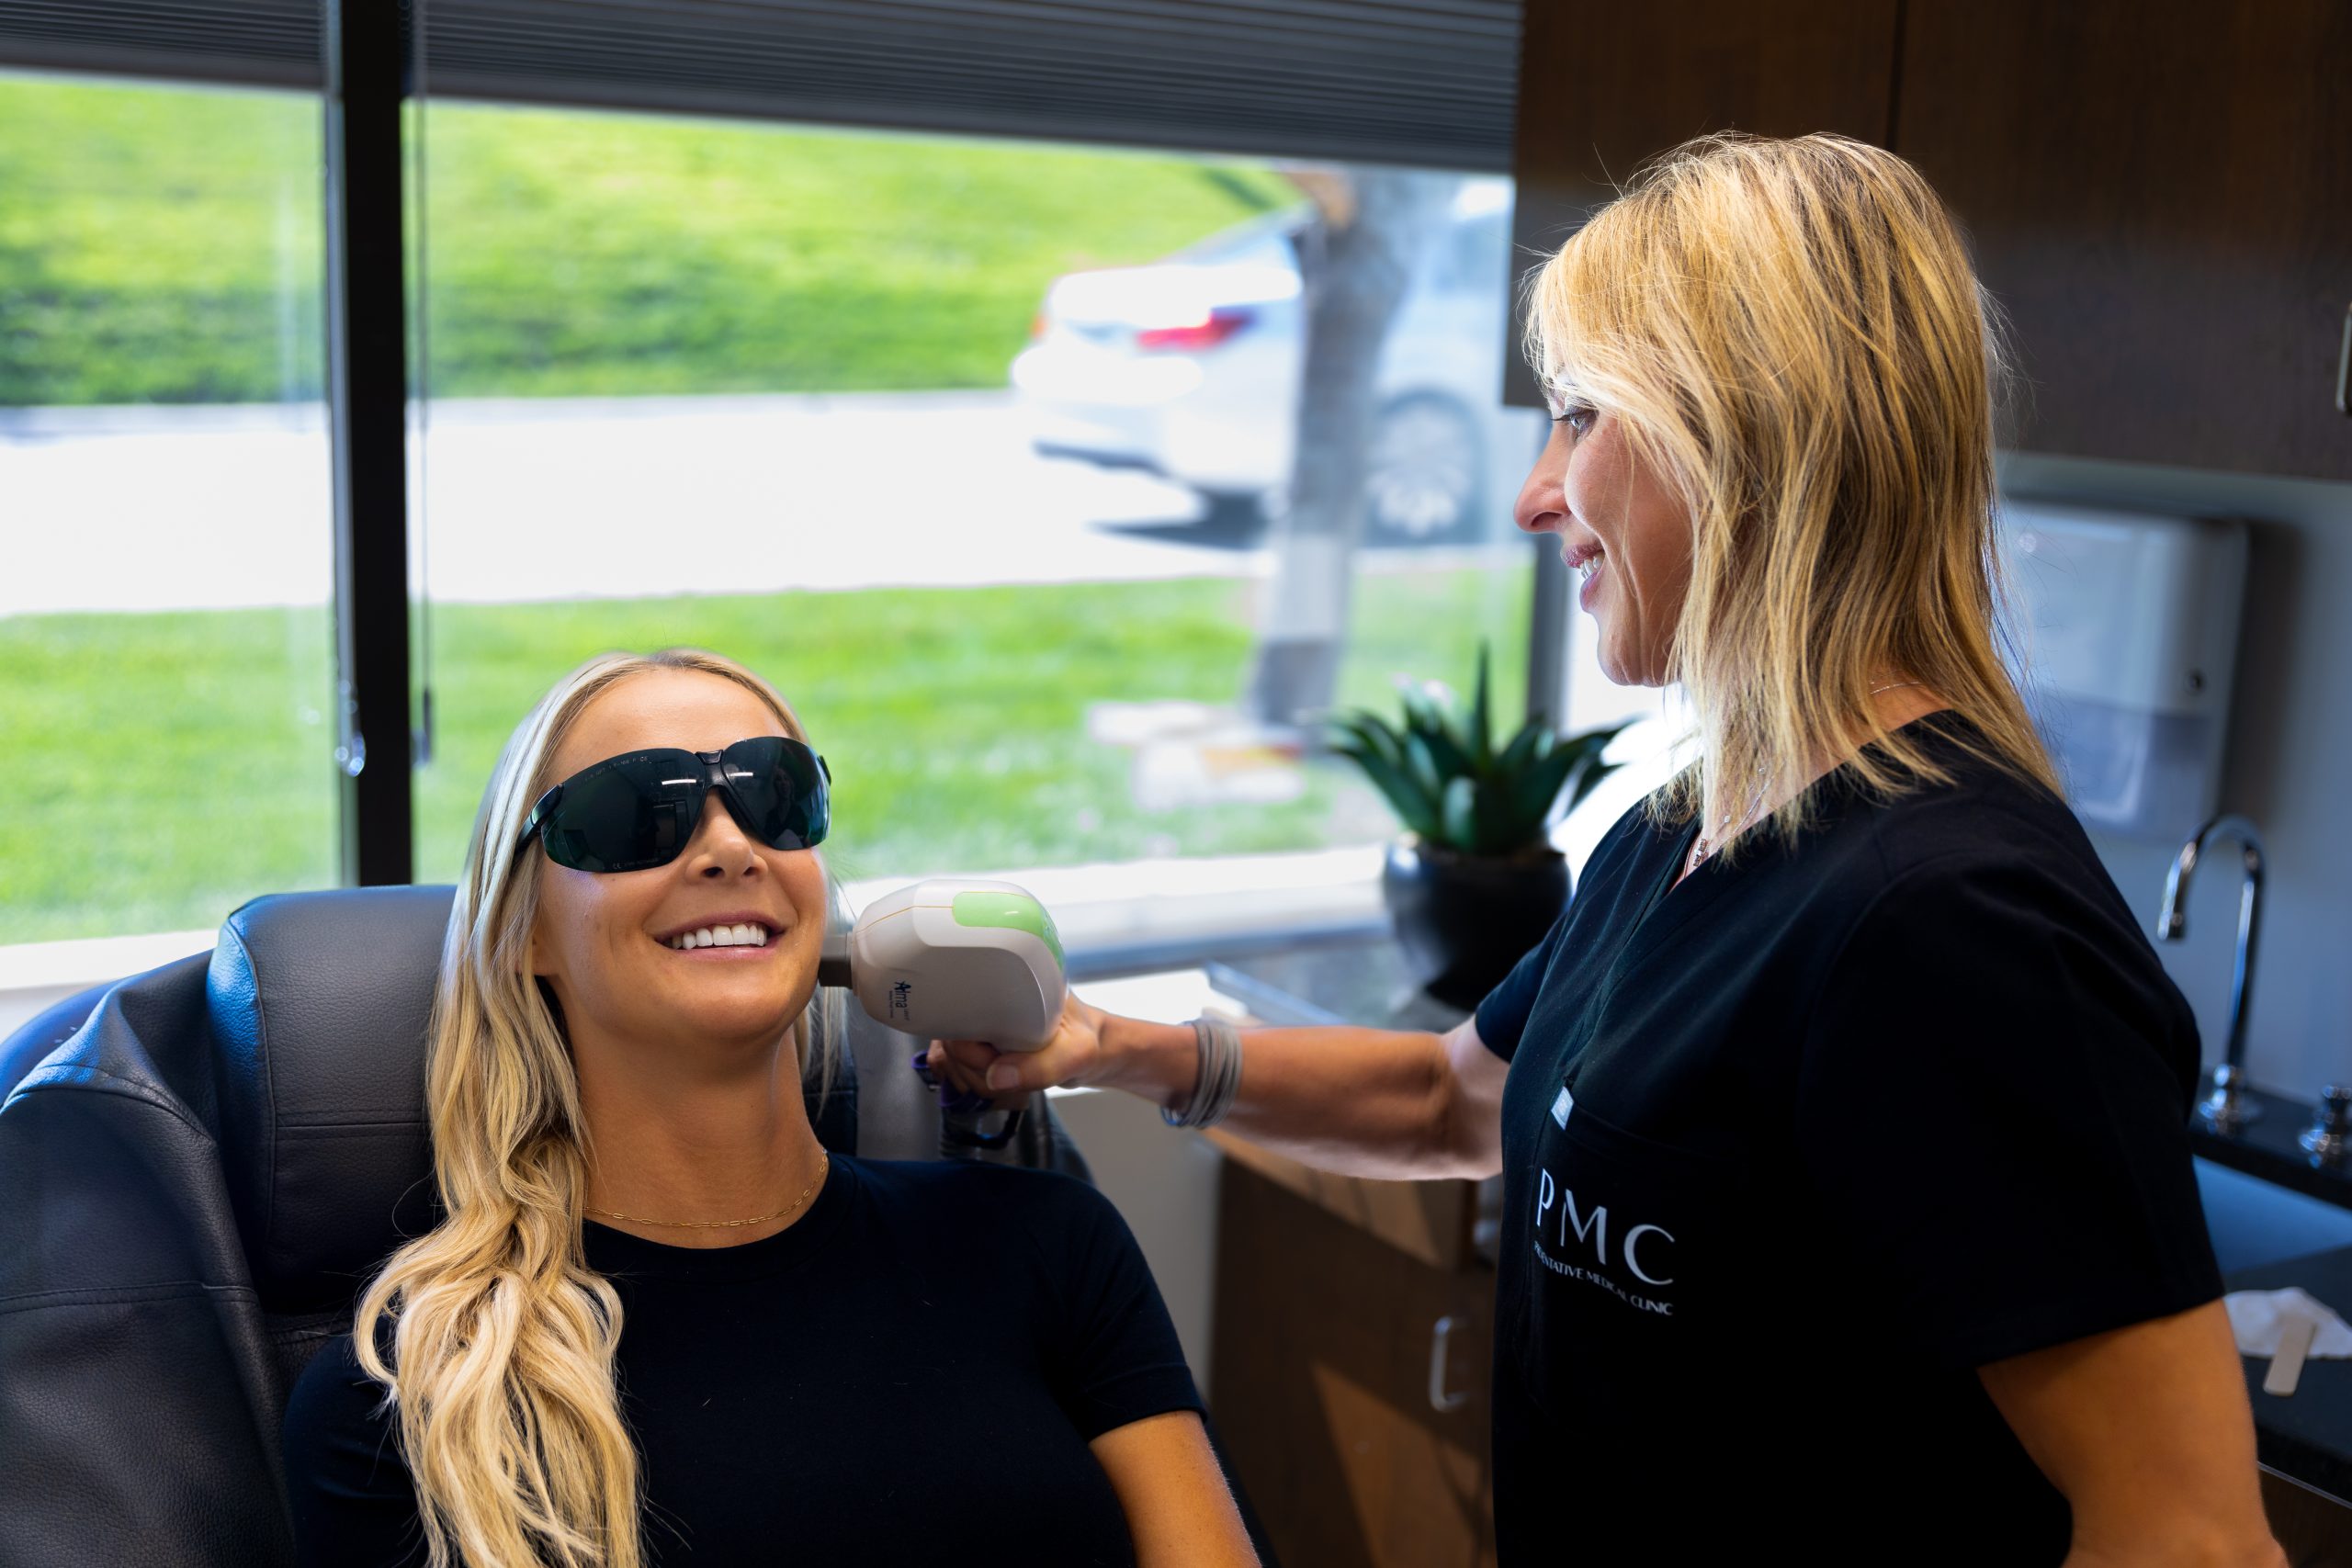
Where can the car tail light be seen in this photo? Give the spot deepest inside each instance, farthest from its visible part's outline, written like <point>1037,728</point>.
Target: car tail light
<point>1037,326</point>
<point>1194,336</point>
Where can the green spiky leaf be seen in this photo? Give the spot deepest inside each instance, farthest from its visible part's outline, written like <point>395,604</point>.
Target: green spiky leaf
<point>1592,770</point>
<point>1482,729</point>
<point>1427,721</point>
<point>1415,806</point>
<point>1460,816</point>
<point>1522,750</point>
<point>1421,761</point>
<point>1373,733</point>
<point>1441,772</point>
<point>1534,791</point>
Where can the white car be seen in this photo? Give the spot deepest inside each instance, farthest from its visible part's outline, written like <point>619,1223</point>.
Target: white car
<point>1190,367</point>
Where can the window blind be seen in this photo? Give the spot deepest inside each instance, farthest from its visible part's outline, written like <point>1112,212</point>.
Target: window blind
<point>257,42</point>
<point>1419,82</point>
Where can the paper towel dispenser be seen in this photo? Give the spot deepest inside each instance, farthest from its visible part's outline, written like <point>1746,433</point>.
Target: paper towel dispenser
<point>2124,627</point>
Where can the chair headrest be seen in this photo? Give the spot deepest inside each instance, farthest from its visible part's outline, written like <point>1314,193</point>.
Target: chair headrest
<point>319,1004</point>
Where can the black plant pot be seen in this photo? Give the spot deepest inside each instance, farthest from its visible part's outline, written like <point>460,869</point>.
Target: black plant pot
<point>1464,920</point>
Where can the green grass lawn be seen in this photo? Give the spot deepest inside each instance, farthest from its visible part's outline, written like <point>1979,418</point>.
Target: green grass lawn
<point>162,768</point>
<point>163,244</point>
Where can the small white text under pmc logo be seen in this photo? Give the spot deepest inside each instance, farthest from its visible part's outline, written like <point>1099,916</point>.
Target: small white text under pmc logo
<point>1562,1224</point>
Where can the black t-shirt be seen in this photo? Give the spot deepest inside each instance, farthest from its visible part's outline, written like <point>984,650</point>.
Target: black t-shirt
<point>911,1375</point>
<point>1794,1146</point>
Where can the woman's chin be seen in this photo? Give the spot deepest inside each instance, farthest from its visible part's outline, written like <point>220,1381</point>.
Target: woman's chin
<point>1620,668</point>
<point>734,1014</point>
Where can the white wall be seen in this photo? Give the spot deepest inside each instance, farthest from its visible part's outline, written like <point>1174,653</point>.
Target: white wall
<point>2290,766</point>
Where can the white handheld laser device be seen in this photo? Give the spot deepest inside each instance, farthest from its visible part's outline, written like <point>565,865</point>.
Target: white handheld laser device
<point>954,959</point>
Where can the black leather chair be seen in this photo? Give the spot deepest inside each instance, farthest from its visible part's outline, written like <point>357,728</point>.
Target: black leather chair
<point>199,1166</point>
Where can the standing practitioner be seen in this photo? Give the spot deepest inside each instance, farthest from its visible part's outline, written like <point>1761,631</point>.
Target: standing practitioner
<point>1849,1211</point>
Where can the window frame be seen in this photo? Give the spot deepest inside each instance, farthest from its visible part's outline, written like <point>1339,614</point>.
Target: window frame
<point>367,81</point>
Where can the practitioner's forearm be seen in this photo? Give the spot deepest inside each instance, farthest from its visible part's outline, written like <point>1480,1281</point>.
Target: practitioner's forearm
<point>1368,1102</point>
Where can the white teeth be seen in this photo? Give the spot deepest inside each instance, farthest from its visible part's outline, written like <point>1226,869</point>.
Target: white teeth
<point>740,935</point>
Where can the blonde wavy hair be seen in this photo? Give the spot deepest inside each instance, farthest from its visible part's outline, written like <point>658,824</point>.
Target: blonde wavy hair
<point>1791,337</point>
<point>502,1337</point>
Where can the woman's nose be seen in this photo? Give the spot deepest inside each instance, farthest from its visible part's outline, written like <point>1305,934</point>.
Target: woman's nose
<point>720,848</point>
<point>1542,505</point>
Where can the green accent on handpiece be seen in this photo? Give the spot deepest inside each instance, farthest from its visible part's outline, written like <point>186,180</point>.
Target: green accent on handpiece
<point>1014,911</point>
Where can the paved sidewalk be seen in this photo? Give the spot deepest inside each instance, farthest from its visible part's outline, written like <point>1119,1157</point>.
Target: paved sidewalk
<point>166,508</point>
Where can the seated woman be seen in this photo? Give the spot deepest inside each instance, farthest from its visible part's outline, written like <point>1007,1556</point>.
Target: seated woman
<point>657,1324</point>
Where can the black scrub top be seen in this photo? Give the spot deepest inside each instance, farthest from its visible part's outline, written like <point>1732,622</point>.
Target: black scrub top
<point>1794,1146</point>
<point>910,1375</point>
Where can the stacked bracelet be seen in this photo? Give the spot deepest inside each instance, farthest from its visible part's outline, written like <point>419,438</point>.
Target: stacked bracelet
<point>1219,1044</point>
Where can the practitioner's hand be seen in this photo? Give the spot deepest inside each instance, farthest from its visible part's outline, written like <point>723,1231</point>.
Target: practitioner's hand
<point>1074,1055</point>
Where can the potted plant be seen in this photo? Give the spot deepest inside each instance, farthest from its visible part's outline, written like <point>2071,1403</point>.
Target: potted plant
<point>1474,882</point>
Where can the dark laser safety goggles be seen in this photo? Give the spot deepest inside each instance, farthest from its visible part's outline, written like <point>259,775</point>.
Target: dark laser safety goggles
<point>639,810</point>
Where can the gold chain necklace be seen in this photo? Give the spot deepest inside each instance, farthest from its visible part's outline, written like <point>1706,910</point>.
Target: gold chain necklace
<point>824,1164</point>
<point>1703,848</point>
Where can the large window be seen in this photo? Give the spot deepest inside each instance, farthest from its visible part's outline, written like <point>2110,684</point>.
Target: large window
<point>976,449</point>
<point>165,748</point>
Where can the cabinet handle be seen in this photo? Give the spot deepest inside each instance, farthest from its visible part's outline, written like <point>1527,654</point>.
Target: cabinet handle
<point>1443,1400</point>
<point>2343,368</point>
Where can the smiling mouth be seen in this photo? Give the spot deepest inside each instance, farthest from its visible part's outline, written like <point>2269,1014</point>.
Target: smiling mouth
<point>1585,559</point>
<point>741,935</point>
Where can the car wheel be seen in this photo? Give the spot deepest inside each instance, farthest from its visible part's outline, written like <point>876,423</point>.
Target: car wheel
<point>1423,485</point>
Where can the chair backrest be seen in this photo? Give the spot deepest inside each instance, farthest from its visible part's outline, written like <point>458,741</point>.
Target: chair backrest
<point>318,1005</point>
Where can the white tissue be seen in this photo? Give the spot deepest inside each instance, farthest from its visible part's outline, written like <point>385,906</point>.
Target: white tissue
<point>2256,1317</point>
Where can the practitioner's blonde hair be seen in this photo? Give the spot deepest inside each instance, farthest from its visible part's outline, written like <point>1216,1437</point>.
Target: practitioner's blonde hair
<point>501,1336</point>
<point>1791,335</point>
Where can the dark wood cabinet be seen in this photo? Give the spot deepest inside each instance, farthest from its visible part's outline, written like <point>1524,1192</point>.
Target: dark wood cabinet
<point>1334,1297</point>
<point>1601,88</point>
<point>2158,192</point>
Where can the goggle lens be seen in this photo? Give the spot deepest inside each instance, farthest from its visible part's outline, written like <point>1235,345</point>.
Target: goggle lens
<point>633,812</point>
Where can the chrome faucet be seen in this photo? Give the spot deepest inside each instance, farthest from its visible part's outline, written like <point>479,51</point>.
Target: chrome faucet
<point>2224,1108</point>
